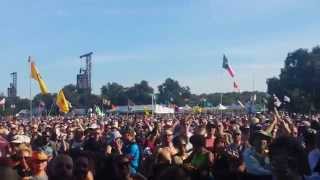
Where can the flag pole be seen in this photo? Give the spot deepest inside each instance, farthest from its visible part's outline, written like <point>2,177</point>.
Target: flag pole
<point>152,108</point>
<point>221,104</point>
<point>30,91</point>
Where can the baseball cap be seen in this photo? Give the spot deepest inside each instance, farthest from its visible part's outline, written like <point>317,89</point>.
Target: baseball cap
<point>19,139</point>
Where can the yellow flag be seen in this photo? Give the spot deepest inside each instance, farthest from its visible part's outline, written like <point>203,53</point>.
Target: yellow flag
<point>62,102</point>
<point>36,76</point>
<point>146,112</point>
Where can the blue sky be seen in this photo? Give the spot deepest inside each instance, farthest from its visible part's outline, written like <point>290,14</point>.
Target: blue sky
<point>152,40</point>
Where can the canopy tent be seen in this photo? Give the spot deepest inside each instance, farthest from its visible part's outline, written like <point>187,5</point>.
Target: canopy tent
<point>221,107</point>
<point>185,108</point>
<point>157,109</point>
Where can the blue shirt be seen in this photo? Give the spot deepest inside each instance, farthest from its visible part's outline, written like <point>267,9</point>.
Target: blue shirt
<point>134,152</point>
<point>255,164</point>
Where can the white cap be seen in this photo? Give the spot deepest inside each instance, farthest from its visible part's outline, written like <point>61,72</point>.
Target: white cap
<point>115,135</point>
<point>93,126</point>
<point>21,139</point>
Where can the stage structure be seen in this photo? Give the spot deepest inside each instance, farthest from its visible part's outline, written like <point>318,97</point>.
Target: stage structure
<point>12,90</point>
<point>84,76</point>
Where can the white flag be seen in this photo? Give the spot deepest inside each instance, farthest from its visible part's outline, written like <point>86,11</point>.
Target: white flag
<point>240,103</point>
<point>277,102</point>
<point>3,101</point>
<point>286,99</point>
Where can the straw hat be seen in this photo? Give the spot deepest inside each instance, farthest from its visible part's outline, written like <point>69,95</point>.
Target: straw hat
<point>255,120</point>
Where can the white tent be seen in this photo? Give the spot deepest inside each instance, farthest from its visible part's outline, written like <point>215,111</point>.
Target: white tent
<point>221,107</point>
<point>157,109</point>
<point>185,108</point>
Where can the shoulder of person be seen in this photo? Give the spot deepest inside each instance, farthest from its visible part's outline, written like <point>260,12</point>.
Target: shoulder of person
<point>134,146</point>
<point>139,176</point>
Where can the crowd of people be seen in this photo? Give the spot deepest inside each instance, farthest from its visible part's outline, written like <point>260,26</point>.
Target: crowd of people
<point>187,146</point>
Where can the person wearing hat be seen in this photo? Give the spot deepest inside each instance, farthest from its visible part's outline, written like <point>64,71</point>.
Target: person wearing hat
<point>115,145</point>
<point>256,157</point>
<point>131,149</point>
<point>94,143</point>
<point>39,165</point>
<point>21,161</point>
<point>20,139</point>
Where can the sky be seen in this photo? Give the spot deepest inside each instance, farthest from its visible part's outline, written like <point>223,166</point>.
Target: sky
<point>153,40</point>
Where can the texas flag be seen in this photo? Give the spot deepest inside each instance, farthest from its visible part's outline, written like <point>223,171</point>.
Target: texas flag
<point>226,66</point>
<point>236,86</point>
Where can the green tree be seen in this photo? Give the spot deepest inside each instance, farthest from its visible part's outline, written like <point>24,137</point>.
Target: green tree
<point>299,79</point>
<point>140,93</point>
<point>171,92</point>
<point>115,93</point>
<point>71,93</point>
<point>47,99</point>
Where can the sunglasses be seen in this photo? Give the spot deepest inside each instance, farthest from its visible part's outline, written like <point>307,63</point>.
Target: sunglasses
<point>39,161</point>
<point>19,158</point>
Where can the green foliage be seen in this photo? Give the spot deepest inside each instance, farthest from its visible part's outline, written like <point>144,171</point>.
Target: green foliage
<point>299,79</point>
<point>14,105</point>
<point>171,92</point>
<point>115,93</point>
<point>47,99</point>
<point>139,93</point>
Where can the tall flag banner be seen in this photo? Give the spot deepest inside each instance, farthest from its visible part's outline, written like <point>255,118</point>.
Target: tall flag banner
<point>276,100</point>
<point>113,107</point>
<point>62,102</point>
<point>3,103</point>
<point>240,103</point>
<point>36,76</point>
<point>254,98</point>
<point>106,102</point>
<point>146,111</point>
<point>265,101</point>
<point>98,111</point>
<point>236,86</point>
<point>130,105</point>
<point>226,66</point>
<point>286,99</point>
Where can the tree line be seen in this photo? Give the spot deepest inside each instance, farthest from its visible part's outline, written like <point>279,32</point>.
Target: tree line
<point>298,79</point>
<point>170,92</point>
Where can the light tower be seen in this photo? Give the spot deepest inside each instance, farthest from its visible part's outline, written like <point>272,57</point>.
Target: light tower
<point>12,90</point>
<point>84,76</point>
